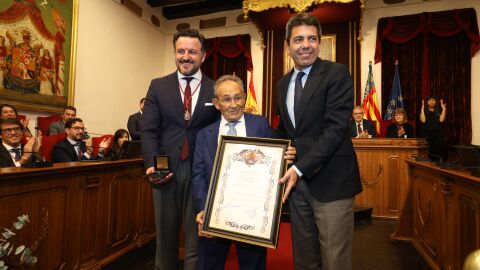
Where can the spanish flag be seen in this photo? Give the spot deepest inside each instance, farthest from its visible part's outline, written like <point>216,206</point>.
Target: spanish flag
<point>251,103</point>
<point>370,104</point>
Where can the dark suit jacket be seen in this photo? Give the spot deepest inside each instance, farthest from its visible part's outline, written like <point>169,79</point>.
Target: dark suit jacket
<point>64,151</point>
<point>392,131</point>
<point>205,150</point>
<point>367,125</point>
<point>325,154</point>
<point>6,158</point>
<point>134,126</point>
<point>164,128</point>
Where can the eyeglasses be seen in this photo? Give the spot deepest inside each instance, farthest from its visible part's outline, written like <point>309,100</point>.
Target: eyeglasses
<point>79,128</point>
<point>236,99</point>
<point>10,130</point>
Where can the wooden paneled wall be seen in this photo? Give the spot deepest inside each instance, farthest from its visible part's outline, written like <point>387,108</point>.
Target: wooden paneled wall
<point>93,212</point>
<point>442,215</point>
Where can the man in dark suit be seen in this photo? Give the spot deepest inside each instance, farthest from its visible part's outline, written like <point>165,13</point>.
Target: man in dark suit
<point>230,100</point>
<point>59,126</point>
<point>177,106</point>
<point>12,153</point>
<point>315,102</point>
<point>361,128</point>
<point>134,123</point>
<point>74,148</point>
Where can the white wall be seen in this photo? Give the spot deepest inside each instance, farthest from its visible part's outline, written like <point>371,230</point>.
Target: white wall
<point>376,9</point>
<point>117,56</point>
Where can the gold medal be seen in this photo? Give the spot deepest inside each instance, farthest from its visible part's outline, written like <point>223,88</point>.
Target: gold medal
<point>186,115</point>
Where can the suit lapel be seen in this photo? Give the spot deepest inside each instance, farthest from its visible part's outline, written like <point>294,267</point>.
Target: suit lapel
<point>6,155</point>
<point>202,99</point>
<point>314,77</point>
<point>212,140</point>
<point>283,100</point>
<point>173,90</point>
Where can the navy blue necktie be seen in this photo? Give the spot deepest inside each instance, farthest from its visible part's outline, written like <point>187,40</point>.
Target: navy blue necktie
<point>298,91</point>
<point>17,153</point>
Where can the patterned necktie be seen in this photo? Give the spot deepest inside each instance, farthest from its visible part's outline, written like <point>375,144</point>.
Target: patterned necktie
<point>359,129</point>
<point>17,153</point>
<point>298,91</point>
<point>79,150</point>
<point>187,104</point>
<point>232,131</point>
<point>187,97</point>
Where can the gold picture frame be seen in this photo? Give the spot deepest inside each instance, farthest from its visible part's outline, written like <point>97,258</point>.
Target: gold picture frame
<point>244,201</point>
<point>38,53</point>
<point>327,52</point>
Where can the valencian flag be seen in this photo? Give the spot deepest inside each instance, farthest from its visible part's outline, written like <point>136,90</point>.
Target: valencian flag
<point>251,103</point>
<point>396,99</point>
<point>370,104</point>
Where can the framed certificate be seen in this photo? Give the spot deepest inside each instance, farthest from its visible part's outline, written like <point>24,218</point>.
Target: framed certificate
<point>244,200</point>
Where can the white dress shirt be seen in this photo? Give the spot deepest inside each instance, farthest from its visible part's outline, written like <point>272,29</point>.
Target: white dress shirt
<point>291,91</point>
<point>239,127</point>
<point>12,154</point>
<point>197,79</point>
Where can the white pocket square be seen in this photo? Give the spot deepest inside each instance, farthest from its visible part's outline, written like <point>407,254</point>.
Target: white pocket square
<point>208,104</point>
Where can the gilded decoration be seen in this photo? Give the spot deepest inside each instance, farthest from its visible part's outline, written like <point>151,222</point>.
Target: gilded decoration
<point>297,5</point>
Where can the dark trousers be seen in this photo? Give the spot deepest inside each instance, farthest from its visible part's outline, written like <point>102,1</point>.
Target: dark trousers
<point>212,254</point>
<point>173,207</point>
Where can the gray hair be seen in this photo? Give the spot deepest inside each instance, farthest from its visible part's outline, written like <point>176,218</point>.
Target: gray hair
<point>224,78</point>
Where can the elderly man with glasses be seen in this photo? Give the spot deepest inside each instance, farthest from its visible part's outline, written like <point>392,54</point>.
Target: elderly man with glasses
<point>12,153</point>
<point>74,148</point>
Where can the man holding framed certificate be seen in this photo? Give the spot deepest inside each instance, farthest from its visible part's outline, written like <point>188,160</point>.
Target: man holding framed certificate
<point>315,102</point>
<point>230,100</point>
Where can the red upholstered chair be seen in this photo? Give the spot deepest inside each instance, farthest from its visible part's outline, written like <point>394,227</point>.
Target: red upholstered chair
<point>21,117</point>
<point>383,128</point>
<point>44,122</point>
<point>48,142</point>
<point>97,140</point>
<point>275,121</point>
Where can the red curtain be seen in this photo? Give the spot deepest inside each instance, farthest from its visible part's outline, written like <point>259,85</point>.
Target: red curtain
<point>20,9</point>
<point>434,52</point>
<point>228,55</point>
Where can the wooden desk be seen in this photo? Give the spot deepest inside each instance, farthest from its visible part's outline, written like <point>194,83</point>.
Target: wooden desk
<point>441,215</point>
<point>95,211</point>
<point>383,173</point>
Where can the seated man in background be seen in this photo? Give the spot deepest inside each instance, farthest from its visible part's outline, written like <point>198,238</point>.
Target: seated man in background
<point>59,127</point>
<point>12,153</point>
<point>134,124</point>
<point>362,128</point>
<point>74,148</point>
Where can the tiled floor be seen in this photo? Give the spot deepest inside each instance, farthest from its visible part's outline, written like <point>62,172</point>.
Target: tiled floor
<point>371,251</point>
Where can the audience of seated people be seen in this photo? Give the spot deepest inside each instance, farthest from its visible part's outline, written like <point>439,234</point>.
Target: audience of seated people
<point>59,127</point>
<point>399,128</point>
<point>361,128</point>
<point>8,111</point>
<point>120,136</point>
<point>12,152</point>
<point>74,147</point>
